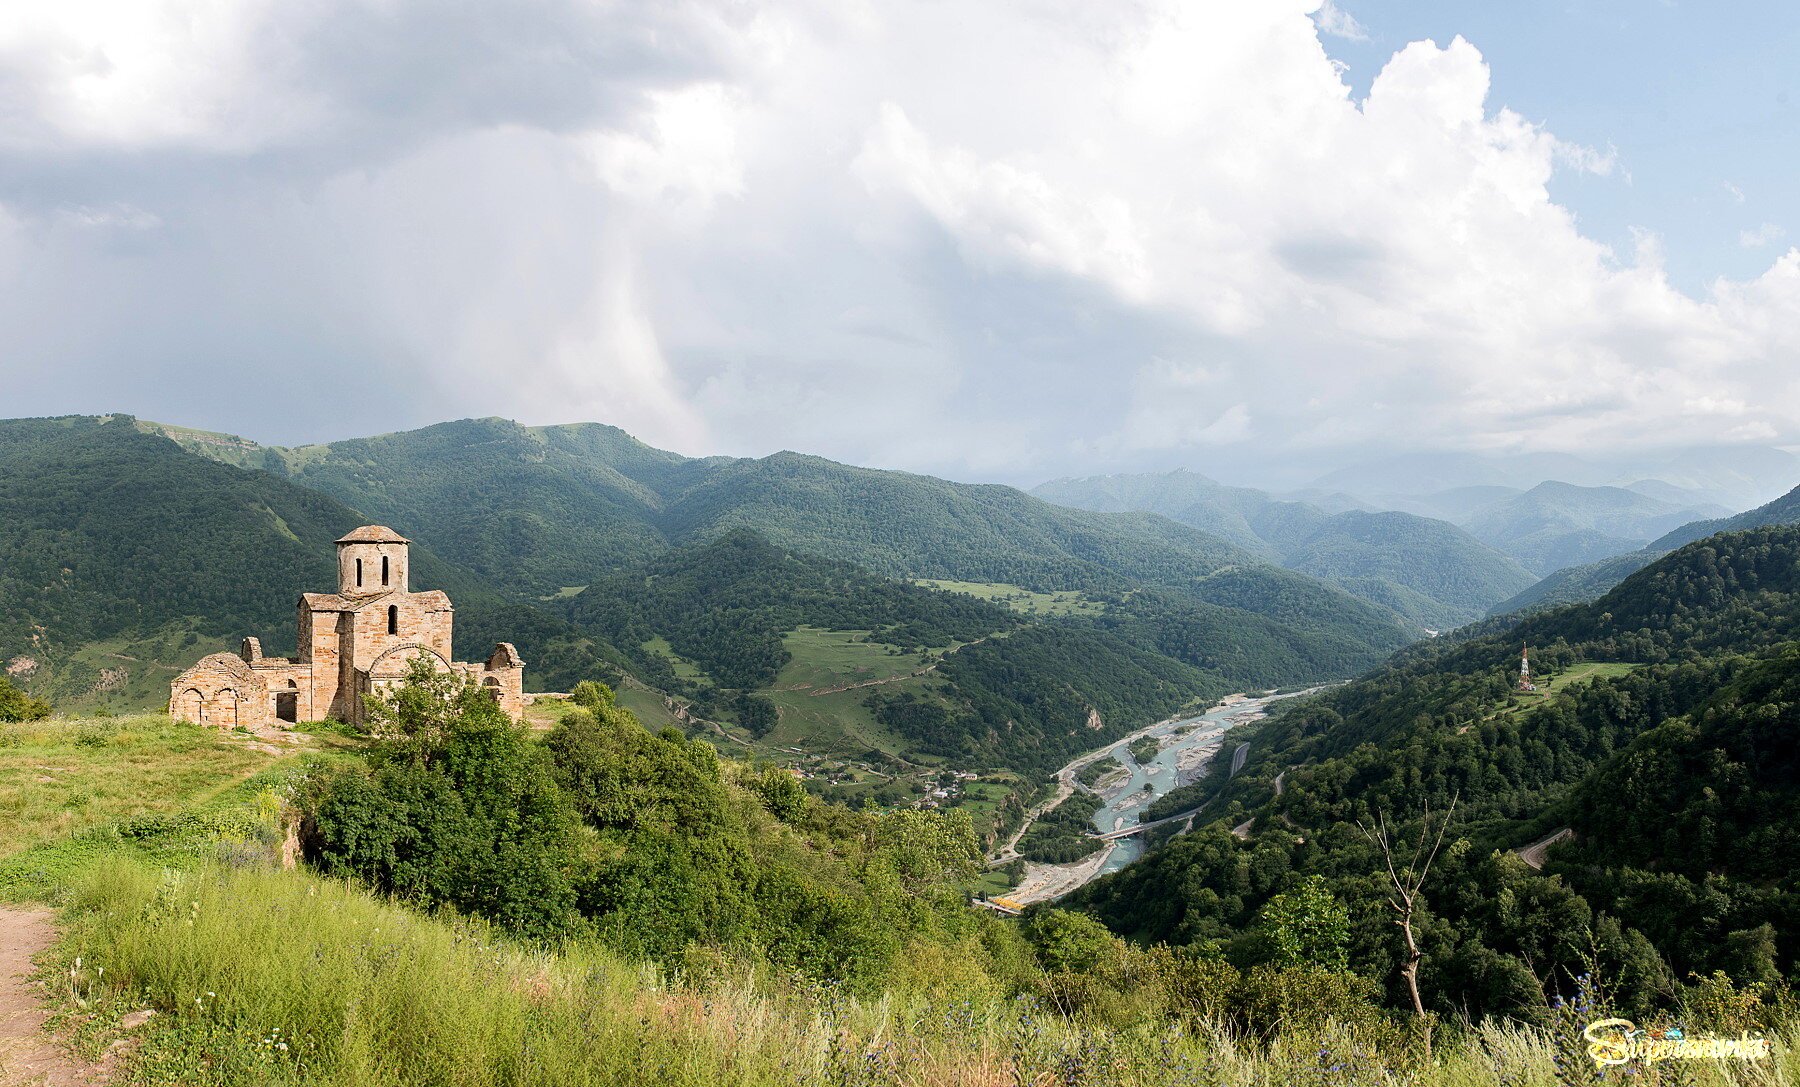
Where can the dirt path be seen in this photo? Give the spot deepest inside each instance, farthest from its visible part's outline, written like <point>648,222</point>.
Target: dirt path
<point>27,1054</point>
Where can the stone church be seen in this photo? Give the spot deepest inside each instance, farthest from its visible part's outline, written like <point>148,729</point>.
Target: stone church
<point>353,642</point>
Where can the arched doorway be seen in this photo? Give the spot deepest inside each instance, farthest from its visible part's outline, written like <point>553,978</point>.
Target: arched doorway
<point>224,709</point>
<point>190,705</point>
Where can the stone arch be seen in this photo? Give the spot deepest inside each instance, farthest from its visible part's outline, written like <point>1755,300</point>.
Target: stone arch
<point>190,705</point>
<point>391,665</point>
<point>223,710</point>
<point>389,669</point>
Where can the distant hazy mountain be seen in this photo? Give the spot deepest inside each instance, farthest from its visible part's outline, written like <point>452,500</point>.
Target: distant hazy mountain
<point>1736,477</point>
<point>1456,504</point>
<point>1588,581</point>
<point>1783,511</point>
<point>1557,524</point>
<point>1427,570</point>
<point>1580,584</point>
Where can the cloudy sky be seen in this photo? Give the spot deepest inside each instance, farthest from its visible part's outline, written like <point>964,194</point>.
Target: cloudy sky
<point>1001,240</point>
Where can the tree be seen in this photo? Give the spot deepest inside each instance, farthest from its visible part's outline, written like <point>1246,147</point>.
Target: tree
<point>1307,926</point>
<point>1405,882</point>
<point>456,807</point>
<point>927,848</point>
<point>16,705</point>
<point>593,696</point>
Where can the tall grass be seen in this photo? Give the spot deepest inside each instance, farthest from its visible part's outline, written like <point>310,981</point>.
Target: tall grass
<point>62,775</point>
<point>282,978</point>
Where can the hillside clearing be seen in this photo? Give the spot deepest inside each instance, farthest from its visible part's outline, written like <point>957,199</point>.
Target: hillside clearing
<point>65,775</point>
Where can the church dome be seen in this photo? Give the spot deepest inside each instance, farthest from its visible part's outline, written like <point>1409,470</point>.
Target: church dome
<point>374,534</point>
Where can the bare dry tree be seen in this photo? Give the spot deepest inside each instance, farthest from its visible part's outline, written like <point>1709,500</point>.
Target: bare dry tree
<point>1406,881</point>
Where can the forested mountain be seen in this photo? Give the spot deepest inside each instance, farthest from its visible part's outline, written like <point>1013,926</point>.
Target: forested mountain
<point>1554,525</point>
<point>1651,702</point>
<point>186,554</point>
<point>1782,511</point>
<point>1429,571</point>
<point>567,506</point>
<point>1000,691</point>
<point>118,538</point>
<point>1579,584</point>
<point>725,605</point>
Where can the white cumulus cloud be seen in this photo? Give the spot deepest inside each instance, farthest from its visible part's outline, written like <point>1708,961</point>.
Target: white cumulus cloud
<point>1000,241</point>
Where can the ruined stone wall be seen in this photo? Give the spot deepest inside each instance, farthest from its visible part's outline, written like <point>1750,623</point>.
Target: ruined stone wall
<point>290,690</point>
<point>220,691</point>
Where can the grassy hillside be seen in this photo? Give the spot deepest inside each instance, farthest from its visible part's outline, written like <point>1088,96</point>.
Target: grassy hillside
<point>67,775</point>
<point>845,952</point>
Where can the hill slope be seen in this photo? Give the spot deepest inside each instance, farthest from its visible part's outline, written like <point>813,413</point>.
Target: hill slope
<point>1442,723</point>
<point>1554,525</point>
<point>1582,583</point>
<point>1782,511</point>
<point>567,506</point>
<point>1579,584</point>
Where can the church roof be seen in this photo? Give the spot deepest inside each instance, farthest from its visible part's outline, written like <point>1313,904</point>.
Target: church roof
<point>224,662</point>
<point>436,599</point>
<point>375,534</point>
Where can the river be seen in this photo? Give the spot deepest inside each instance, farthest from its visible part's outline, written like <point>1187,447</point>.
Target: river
<point>1182,759</point>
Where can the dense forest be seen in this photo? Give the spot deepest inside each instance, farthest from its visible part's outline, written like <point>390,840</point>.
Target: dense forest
<point>647,841</point>
<point>724,605</point>
<point>1657,735</point>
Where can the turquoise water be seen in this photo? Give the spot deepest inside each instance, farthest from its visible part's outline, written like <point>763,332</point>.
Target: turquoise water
<point>1160,774</point>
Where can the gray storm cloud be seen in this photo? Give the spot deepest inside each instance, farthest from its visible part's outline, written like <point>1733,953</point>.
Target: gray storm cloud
<point>989,241</point>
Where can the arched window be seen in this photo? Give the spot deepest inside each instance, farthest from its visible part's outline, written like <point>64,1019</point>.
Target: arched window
<point>359,573</point>
<point>384,569</point>
<point>393,618</point>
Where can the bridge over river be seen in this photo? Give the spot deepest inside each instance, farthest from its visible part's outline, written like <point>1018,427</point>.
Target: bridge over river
<point>1126,832</point>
